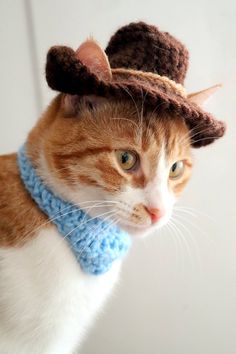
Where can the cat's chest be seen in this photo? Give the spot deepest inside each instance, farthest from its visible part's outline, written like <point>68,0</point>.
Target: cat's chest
<point>46,287</point>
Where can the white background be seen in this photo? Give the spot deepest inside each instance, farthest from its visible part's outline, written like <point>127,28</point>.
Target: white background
<point>177,295</point>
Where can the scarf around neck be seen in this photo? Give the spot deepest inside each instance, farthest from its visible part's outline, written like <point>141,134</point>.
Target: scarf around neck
<point>95,243</point>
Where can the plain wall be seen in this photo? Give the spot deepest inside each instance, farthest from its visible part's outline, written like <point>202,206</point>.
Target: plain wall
<point>177,293</point>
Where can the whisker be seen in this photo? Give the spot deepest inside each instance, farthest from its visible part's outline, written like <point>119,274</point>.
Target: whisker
<point>179,209</point>
<point>199,132</point>
<point>176,244</point>
<point>132,98</point>
<point>112,223</point>
<point>200,232</point>
<point>188,249</point>
<point>141,122</point>
<point>126,119</point>
<point>54,217</point>
<point>90,241</point>
<point>79,225</point>
<point>137,111</point>
<point>206,138</point>
<point>152,114</point>
<point>175,235</point>
<point>189,135</point>
<point>195,211</point>
<point>194,242</point>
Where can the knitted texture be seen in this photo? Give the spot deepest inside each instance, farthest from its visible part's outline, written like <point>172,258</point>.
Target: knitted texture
<point>143,47</point>
<point>136,53</point>
<point>95,243</point>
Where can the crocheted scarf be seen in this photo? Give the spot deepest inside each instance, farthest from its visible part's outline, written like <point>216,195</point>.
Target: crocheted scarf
<point>95,243</point>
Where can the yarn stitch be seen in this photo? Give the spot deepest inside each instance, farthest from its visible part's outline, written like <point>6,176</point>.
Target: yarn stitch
<point>96,244</point>
<point>145,62</point>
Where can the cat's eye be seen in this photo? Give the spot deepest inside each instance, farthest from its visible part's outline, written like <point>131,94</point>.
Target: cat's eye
<point>177,170</point>
<point>128,160</point>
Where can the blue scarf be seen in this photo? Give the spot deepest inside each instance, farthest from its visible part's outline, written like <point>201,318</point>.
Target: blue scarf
<point>96,244</point>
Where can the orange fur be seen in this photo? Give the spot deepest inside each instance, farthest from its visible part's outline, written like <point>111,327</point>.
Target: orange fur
<point>19,215</point>
<point>79,149</point>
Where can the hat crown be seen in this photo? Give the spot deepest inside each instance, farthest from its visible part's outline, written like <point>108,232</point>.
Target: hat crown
<point>143,47</point>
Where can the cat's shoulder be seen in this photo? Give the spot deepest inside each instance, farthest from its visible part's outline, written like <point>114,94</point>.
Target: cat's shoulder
<point>18,212</point>
<point>9,177</point>
<point>8,166</point>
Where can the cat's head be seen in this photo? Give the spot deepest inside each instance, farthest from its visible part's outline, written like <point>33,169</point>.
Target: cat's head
<point>114,158</point>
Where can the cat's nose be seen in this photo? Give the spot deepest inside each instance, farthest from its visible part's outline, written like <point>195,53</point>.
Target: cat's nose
<point>155,213</point>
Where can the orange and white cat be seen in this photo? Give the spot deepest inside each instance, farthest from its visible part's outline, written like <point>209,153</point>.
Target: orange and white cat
<point>111,160</point>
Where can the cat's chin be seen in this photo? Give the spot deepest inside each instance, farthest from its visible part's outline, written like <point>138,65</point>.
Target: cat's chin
<point>135,230</point>
<point>139,231</point>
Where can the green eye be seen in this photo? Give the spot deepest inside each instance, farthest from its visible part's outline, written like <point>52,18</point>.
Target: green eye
<point>127,159</point>
<point>177,170</point>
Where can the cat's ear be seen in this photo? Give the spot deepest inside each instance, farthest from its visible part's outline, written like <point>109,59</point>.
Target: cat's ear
<point>201,97</point>
<point>94,57</point>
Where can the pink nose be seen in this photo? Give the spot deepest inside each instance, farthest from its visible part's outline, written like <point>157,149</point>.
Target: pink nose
<point>154,213</point>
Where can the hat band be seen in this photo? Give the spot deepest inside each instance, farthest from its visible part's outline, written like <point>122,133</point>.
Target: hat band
<point>169,84</point>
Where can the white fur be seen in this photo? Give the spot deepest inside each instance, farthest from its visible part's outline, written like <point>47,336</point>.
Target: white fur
<point>155,194</point>
<point>46,301</point>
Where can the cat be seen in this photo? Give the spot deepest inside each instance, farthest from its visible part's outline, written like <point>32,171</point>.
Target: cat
<point>114,160</point>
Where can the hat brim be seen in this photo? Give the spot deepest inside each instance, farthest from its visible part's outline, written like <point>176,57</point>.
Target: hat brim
<point>66,74</point>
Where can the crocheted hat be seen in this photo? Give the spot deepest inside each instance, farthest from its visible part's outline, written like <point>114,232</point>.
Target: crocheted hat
<point>146,64</point>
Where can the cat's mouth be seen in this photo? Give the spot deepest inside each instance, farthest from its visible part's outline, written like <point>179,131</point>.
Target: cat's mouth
<point>138,229</point>
<point>146,226</point>
<point>142,217</point>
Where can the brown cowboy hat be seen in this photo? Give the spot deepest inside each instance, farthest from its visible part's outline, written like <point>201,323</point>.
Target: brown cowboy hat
<point>141,63</point>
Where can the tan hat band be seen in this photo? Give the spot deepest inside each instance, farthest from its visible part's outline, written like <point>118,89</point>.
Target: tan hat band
<point>169,84</point>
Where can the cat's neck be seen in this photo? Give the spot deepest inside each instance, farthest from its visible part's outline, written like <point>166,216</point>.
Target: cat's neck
<point>95,242</point>
<point>20,218</point>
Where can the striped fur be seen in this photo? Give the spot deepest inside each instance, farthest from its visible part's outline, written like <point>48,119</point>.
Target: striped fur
<point>73,147</point>
<point>74,153</point>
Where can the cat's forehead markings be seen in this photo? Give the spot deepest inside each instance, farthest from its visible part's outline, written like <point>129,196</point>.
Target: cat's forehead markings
<point>177,142</point>
<point>150,160</point>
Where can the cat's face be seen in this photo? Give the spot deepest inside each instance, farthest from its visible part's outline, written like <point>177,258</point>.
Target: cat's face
<point>115,161</point>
